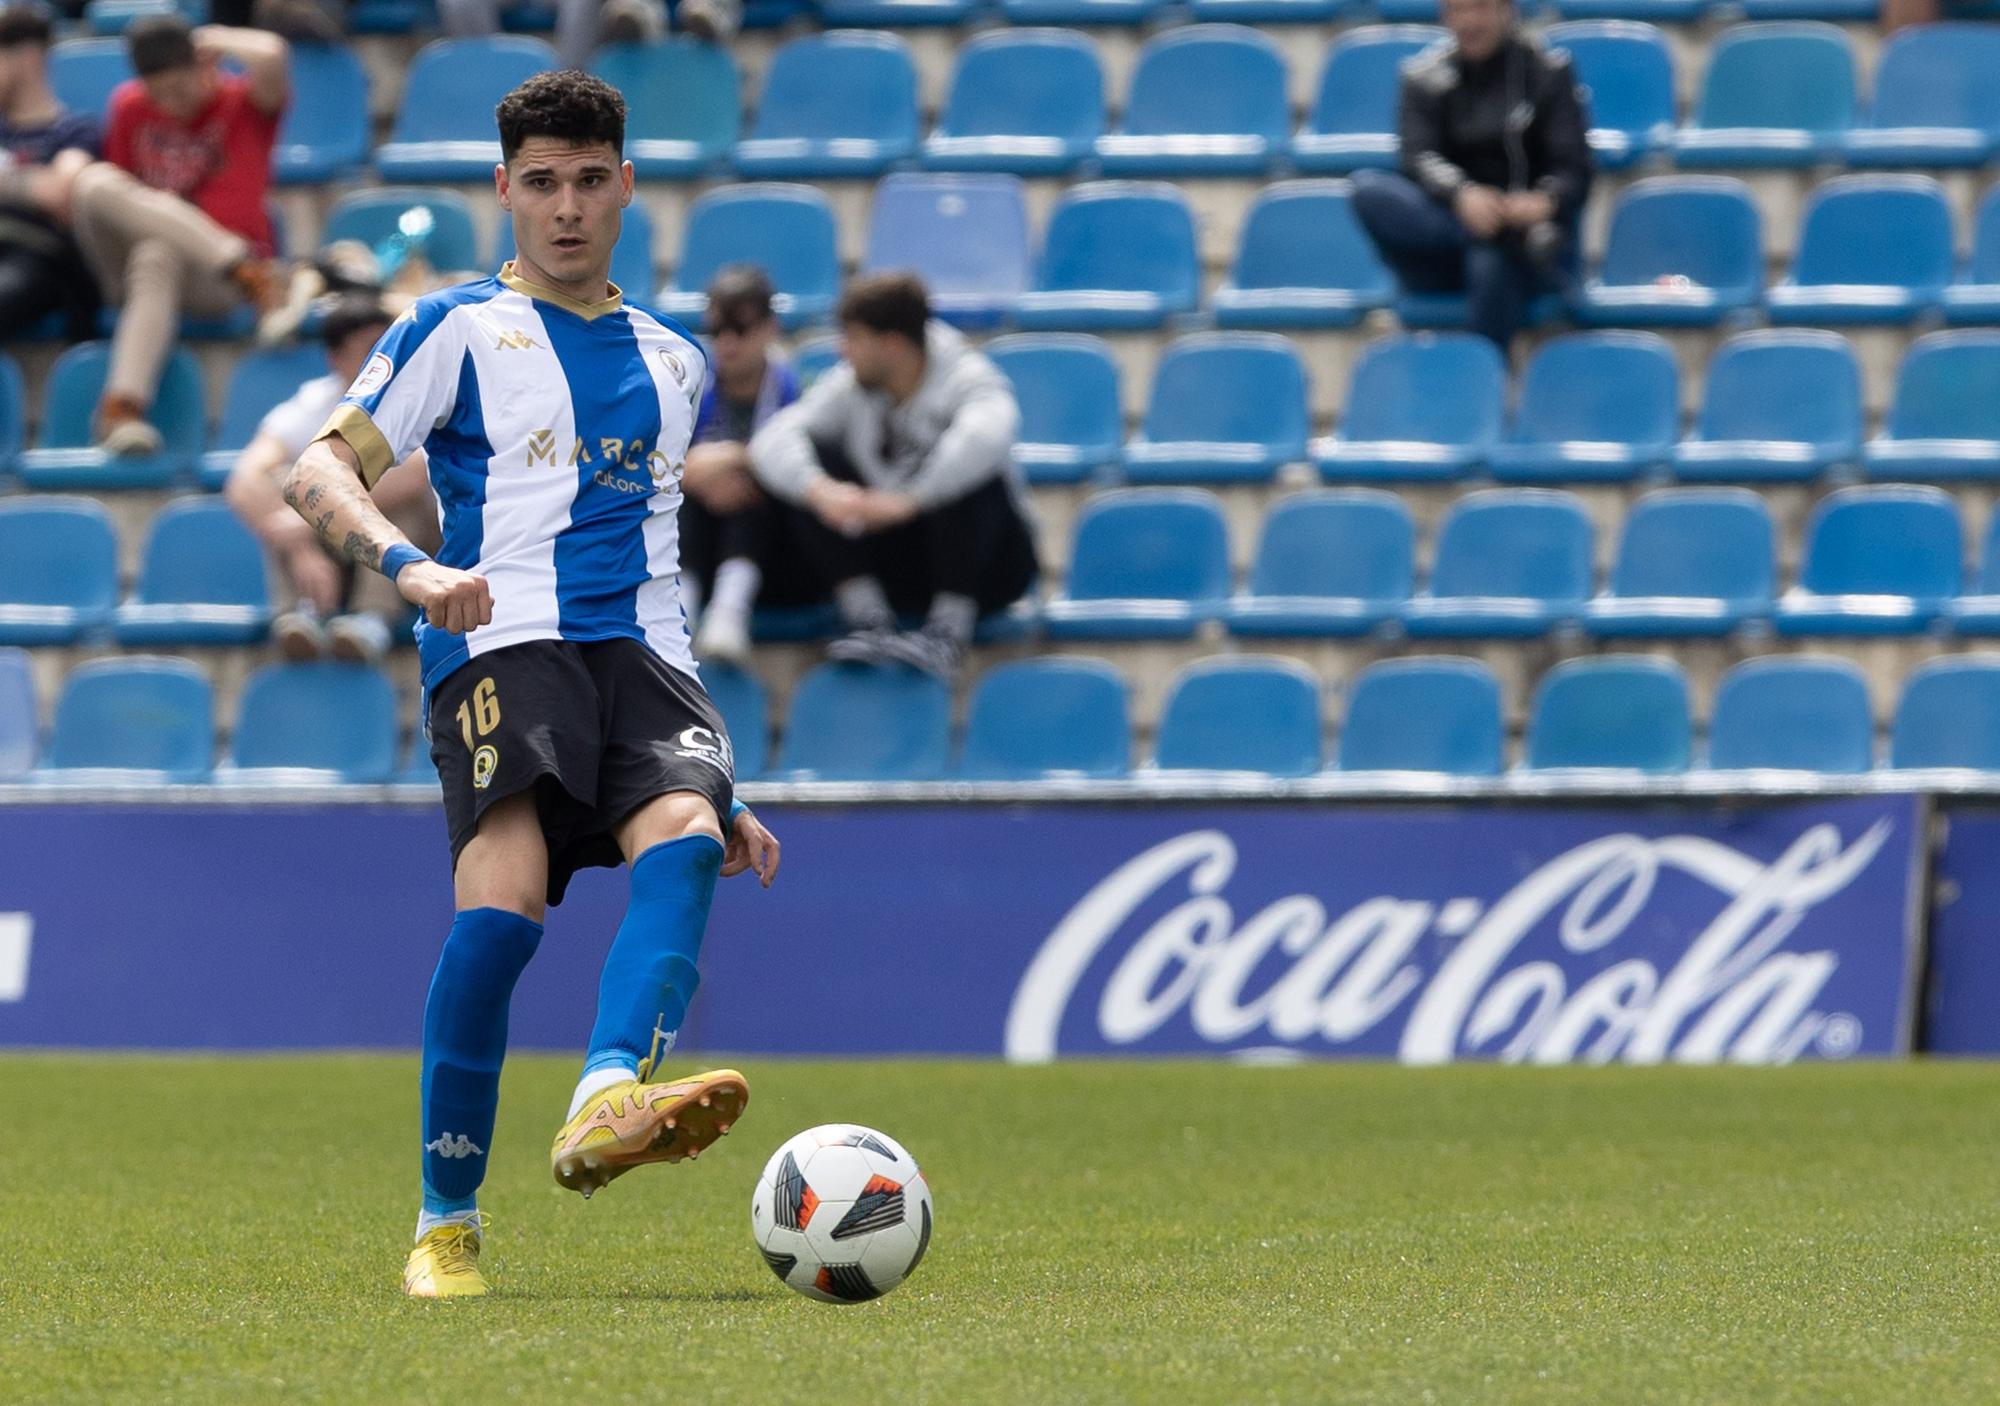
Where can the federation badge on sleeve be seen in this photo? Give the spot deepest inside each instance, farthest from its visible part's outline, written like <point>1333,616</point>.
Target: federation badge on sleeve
<point>374,376</point>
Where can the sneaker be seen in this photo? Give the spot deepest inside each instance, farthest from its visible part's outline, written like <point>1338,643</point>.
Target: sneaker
<point>873,645</point>
<point>357,639</point>
<point>299,636</point>
<point>933,651</point>
<point>630,1124</point>
<point>445,1263</point>
<point>724,637</point>
<point>283,322</point>
<point>123,431</point>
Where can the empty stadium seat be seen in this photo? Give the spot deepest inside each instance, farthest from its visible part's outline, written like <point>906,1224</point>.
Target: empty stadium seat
<point>867,723</point>
<point>1509,562</point>
<point>1792,713</point>
<point>201,581</point>
<point>444,124</point>
<point>1976,295</point>
<point>966,236</point>
<point>13,411</point>
<point>897,14</point>
<point>1877,561</point>
<point>1117,254</point>
<point>1872,249</point>
<point>258,383</point>
<point>1627,73</point>
<point>787,230</point>
<point>1778,405</point>
<point>1419,407</point>
<point>1303,261</point>
<point>834,105</point>
<point>1949,716</point>
<point>1848,11</point>
<point>746,711</point>
<point>1425,715</point>
<point>84,71</point>
<point>1594,406</point>
<point>1085,12</point>
<point>1944,422</point>
<point>1329,562</point>
<point>1651,11</point>
<point>1774,95</point>
<point>1206,100</point>
<point>1241,714</point>
<point>324,136</point>
<point>1682,251</point>
<point>1265,11</point>
<point>1146,563</point>
<point>58,569</point>
<point>1691,561</point>
<point>1030,102</point>
<point>1616,713</point>
<point>1066,384</point>
<point>143,719</point>
<point>1225,407</point>
<point>1037,719</point>
<point>20,727</point>
<point>684,105</point>
<point>632,262</point>
<point>374,217</point>
<point>339,719</point>
<point>63,456</point>
<point>1936,103</point>
<point>1353,121</point>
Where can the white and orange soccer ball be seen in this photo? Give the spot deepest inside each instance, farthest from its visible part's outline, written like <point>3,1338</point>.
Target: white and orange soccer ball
<point>842,1213</point>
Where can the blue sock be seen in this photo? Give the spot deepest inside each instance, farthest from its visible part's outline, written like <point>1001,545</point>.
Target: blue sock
<point>650,976</point>
<point>465,1040</point>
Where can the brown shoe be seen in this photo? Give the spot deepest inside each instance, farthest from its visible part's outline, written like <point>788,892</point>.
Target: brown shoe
<point>123,430</point>
<point>263,283</point>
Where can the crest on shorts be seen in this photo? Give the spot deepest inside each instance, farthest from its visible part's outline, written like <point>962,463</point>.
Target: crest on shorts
<point>485,762</point>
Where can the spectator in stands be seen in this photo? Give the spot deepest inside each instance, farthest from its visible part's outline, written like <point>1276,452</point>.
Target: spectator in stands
<point>899,458</point>
<point>583,25</point>
<point>43,146</point>
<point>1495,169</point>
<point>173,219</point>
<point>340,610</point>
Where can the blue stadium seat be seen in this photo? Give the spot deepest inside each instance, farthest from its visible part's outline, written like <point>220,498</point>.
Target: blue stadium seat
<point>834,105</point>
<point>1944,422</point>
<point>444,124</point>
<point>1266,11</point>
<point>1774,95</point>
<point>684,101</point>
<point>632,261</point>
<point>1777,406</point>
<point>1353,121</point>
<point>324,136</point>
<point>1242,714</point>
<point>1424,714</point>
<point>392,17</point>
<point>20,728</point>
<point>746,711</point>
<point>417,768</point>
<point>1226,407</point>
<point>1117,254</point>
<point>13,411</point>
<point>1206,100</point>
<point>1510,562</point>
<point>84,71</point>
<point>116,16</point>
<point>1594,406</point>
<point>201,581</point>
<point>374,217</point>
<point>1976,295</point>
<point>966,236</point>
<point>1329,562</point>
<point>1872,249</point>
<point>1624,713</point>
<point>1977,612</point>
<point>1072,426</point>
<point>1936,103</point>
<point>1949,716</point>
<point>1303,261</point>
<point>1683,251</point>
<point>144,718</point>
<point>1079,12</point>
<point>1650,11</point>
<point>1426,406</point>
<point>1878,561</point>
<point>1833,11</point>
<point>1030,102</point>
<point>259,382</point>
<point>898,14</point>
<point>58,569</point>
<point>1691,561</point>
<point>858,723</point>
<point>63,456</point>
<point>1037,719</point>
<point>334,718</point>
<point>1627,73</point>
<point>1147,563</point>
<point>1792,713</point>
<point>786,229</point>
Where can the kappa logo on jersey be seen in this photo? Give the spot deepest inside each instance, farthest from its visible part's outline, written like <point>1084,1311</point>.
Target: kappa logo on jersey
<point>515,340</point>
<point>374,376</point>
<point>454,1145</point>
<point>701,745</point>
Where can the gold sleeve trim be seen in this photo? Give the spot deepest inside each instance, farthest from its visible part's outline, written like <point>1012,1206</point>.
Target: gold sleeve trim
<point>352,424</point>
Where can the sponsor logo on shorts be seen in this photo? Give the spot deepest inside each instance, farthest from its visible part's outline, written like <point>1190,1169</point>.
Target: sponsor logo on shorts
<point>702,745</point>
<point>374,376</point>
<point>485,762</point>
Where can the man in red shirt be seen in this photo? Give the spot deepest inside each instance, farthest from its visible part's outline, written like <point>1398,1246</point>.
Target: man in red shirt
<point>173,218</point>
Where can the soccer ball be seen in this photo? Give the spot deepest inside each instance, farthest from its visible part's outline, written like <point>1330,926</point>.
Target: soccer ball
<point>841,1213</point>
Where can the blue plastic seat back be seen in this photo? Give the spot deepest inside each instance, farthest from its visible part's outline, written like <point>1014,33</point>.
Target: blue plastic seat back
<point>84,71</point>
<point>632,261</point>
<point>1783,385</point>
<point>1939,75</point>
<point>148,714</point>
<point>1949,715</point>
<point>785,229</point>
<point>13,409</point>
<point>1793,714</point>
<point>1242,714</point>
<point>679,91</point>
<point>1716,542</point>
<point>1209,79</point>
<point>1531,543</point>
<point>333,717</point>
<point>76,381</point>
<point>1359,544</point>
<point>1901,541</point>
<point>1424,714</point>
<point>1612,712</point>
<point>1162,544</point>
<point>965,236</point>
<point>327,119</point>
<point>1031,82</point>
<point>1444,388</point>
<point>1626,69</point>
<point>1876,229</point>
<point>1123,235</point>
<point>57,550</point>
<point>1303,234</point>
<point>746,711</point>
<point>854,723</point>
<point>260,382</point>
<point>1701,227</point>
<point>375,216</point>
<point>199,553</point>
<point>453,85</point>
<point>852,83</point>
<point>1066,386</point>
<point>1948,388</point>
<point>1038,716</point>
<point>1779,75</point>
<point>1622,387</point>
<point>1358,87</point>
<point>1984,266</point>
<point>20,732</point>
<point>1235,387</point>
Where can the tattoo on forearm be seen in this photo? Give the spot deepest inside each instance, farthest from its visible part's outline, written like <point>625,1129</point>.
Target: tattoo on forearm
<point>341,512</point>
<point>361,549</point>
<point>314,497</point>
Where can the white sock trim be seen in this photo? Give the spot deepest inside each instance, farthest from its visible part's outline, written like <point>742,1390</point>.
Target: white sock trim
<point>426,1222</point>
<point>595,1082</point>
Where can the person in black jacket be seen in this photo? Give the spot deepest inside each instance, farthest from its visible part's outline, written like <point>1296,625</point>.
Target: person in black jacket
<point>1494,173</point>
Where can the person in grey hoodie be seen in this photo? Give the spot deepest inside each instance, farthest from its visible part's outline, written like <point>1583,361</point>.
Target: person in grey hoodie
<point>897,462</point>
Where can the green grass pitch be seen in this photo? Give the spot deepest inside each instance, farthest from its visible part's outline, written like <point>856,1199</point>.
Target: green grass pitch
<point>231,1230</point>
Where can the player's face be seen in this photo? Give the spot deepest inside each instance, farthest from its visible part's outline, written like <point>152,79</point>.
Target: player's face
<point>1477,25</point>
<point>567,202</point>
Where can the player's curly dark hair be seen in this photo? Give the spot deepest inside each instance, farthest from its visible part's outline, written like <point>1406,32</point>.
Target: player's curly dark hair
<point>570,106</point>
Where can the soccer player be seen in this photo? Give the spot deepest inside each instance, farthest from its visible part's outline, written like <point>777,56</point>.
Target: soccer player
<point>566,718</point>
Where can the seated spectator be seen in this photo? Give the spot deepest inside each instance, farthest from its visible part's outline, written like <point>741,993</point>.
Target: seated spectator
<point>1495,169</point>
<point>583,25</point>
<point>43,146</point>
<point>899,459</point>
<point>173,219</point>
<point>340,609</point>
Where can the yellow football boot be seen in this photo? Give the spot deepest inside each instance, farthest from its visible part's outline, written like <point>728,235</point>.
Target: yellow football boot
<point>632,1123</point>
<point>445,1263</point>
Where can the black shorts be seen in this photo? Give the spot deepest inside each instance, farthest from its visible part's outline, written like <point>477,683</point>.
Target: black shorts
<point>595,728</point>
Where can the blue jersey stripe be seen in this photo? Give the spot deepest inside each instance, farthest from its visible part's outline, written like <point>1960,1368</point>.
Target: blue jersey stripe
<point>459,456</point>
<point>410,331</point>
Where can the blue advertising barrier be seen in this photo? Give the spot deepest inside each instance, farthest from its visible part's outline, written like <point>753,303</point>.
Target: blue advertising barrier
<point>1761,931</point>
<point>1962,1012</point>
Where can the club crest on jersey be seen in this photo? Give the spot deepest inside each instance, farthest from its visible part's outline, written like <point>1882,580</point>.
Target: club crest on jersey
<point>701,745</point>
<point>674,366</point>
<point>515,340</point>
<point>485,762</point>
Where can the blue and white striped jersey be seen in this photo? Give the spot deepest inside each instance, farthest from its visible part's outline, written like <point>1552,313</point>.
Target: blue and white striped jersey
<point>556,433</point>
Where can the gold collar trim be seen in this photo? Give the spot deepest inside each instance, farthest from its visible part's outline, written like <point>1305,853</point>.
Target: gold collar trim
<point>586,311</point>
